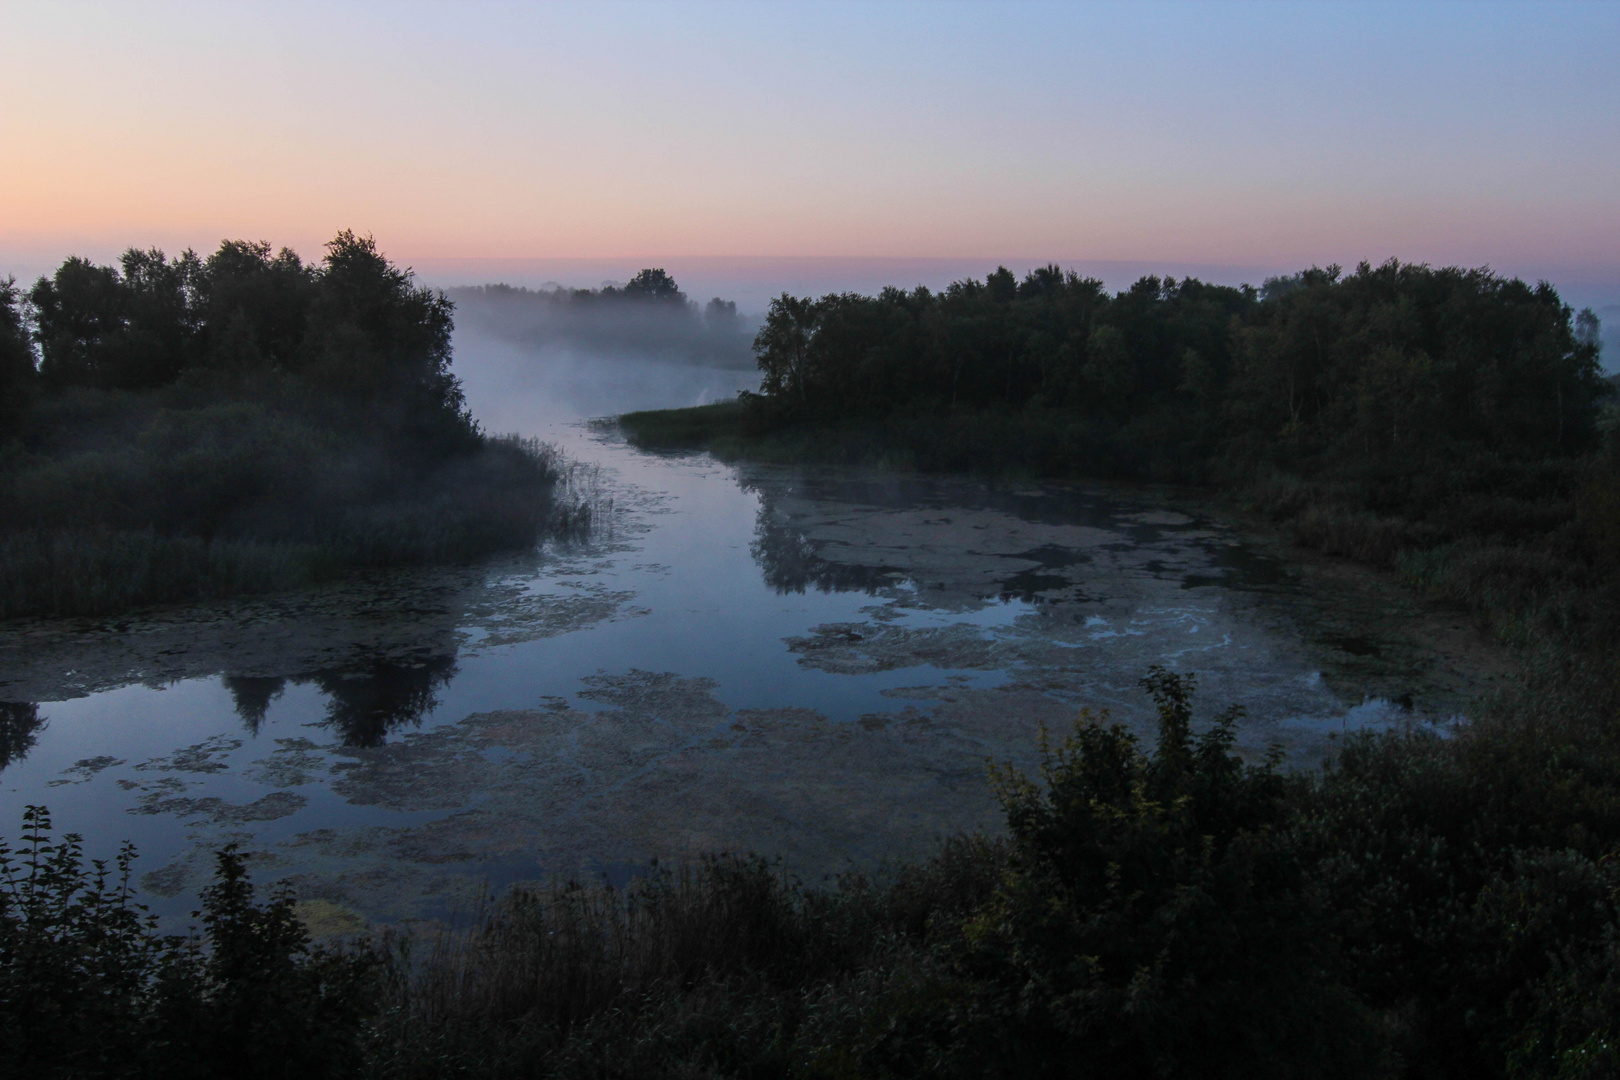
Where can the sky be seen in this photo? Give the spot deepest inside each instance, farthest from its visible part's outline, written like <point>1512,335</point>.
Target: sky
<point>824,144</point>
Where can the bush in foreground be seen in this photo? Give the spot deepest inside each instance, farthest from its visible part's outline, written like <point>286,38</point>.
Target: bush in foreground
<point>88,987</point>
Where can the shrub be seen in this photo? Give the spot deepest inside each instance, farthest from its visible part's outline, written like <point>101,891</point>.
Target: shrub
<point>1157,918</point>
<point>88,987</point>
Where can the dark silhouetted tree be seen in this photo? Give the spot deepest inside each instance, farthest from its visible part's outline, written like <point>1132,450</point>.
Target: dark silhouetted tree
<point>17,372</point>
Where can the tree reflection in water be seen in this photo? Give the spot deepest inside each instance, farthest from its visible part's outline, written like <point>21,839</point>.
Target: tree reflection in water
<point>363,704</point>
<point>791,563</point>
<point>20,725</point>
<point>252,695</point>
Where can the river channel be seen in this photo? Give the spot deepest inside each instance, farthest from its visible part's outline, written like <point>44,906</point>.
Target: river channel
<point>811,664</point>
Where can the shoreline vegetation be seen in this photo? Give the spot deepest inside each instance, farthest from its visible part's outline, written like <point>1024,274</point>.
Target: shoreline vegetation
<point>185,429</point>
<point>1448,425</point>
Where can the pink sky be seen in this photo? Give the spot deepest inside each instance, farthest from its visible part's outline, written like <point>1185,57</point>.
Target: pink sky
<point>579,138</point>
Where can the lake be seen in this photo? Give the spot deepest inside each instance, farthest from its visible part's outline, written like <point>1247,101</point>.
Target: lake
<point>809,663</point>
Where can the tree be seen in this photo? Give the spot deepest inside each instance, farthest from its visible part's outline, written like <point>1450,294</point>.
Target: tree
<point>1155,917</point>
<point>783,346</point>
<point>79,312</point>
<point>17,374</point>
<point>1109,370</point>
<point>720,316</point>
<point>655,286</point>
<point>256,309</point>
<point>374,333</point>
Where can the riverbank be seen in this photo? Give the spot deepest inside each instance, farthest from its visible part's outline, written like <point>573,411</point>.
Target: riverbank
<point>1525,546</point>
<point>1404,863</point>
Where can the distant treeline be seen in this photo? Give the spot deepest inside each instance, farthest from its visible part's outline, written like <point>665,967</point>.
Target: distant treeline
<point>1170,379</point>
<point>647,316</point>
<point>189,427</point>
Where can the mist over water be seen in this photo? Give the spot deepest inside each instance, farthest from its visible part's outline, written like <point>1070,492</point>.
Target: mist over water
<point>514,387</point>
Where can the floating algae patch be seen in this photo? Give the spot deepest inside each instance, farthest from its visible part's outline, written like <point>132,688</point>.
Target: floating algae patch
<point>85,770</point>
<point>665,771</point>
<point>294,763</point>
<point>1104,583</point>
<point>277,804</point>
<point>379,617</point>
<point>204,757</point>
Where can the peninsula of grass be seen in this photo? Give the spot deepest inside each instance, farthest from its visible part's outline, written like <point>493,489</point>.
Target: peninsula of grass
<point>187,429</point>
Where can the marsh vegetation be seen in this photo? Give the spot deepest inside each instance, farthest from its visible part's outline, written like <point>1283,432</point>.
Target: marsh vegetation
<point>1430,903</point>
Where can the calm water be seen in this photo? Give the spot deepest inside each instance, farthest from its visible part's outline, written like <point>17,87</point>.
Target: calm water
<point>807,663</point>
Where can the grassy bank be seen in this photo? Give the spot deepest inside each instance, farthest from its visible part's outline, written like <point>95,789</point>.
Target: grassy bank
<point>1434,907</point>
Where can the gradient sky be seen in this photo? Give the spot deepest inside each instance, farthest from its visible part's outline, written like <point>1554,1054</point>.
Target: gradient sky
<point>1223,134</point>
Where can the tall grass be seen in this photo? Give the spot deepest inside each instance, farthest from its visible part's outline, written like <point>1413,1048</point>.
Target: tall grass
<point>725,967</point>
<point>85,572</point>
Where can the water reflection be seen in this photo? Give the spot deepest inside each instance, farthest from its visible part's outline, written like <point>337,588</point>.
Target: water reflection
<point>790,563</point>
<point>804,517</point>
<point>363,704</point>
<point>251,695</point>
<point>20,725</point>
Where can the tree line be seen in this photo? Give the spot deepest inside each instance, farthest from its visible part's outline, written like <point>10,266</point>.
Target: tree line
<point>1318,368</point>
<point>353,324</point>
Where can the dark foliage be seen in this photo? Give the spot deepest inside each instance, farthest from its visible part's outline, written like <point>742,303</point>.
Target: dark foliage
<point>200,428</point>
<point>1383,366</point>
<point>1156,917</point>
<point>89,988</point>
<point>17,375</point>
